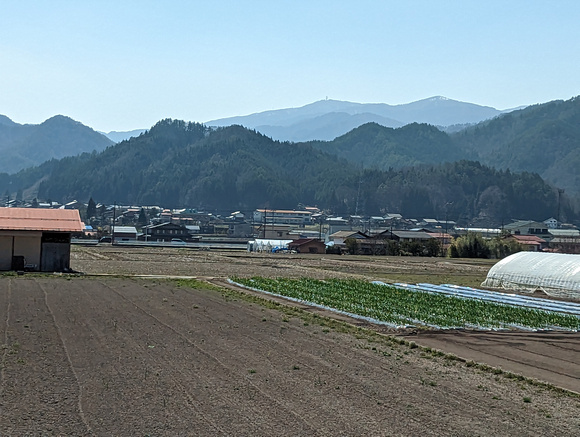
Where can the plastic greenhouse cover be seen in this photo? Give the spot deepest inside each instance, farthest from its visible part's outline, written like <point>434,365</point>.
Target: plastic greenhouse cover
<point>554,273</point>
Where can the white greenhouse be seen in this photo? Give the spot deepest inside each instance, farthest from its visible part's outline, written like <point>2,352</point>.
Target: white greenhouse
<point>554,273</point>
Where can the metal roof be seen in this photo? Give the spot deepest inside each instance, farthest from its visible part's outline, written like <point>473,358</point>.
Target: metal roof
<point>124,229</point>
<point>527,239</point>
<point>284,211</point>
<point>564,232</point>
<point>346,234</point>
<point>37,219</point>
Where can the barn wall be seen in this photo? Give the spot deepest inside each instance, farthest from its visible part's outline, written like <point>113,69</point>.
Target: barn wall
<point>5,252</point>
<point>55,252</point>
<point>29,248</point>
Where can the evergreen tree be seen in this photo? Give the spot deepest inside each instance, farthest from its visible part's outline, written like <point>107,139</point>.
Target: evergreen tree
<point>91,209</point>
<point>143,220</point>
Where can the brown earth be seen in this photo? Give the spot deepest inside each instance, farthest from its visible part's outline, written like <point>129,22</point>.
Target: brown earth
<point>119,356</point>
<point>550,357</point>
<point>187,262</point>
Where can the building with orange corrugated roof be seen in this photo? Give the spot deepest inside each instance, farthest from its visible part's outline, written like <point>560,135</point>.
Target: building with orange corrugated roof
<point>36,239</point>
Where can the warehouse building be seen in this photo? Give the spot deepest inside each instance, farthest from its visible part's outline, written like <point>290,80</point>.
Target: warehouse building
<point>37,239</point>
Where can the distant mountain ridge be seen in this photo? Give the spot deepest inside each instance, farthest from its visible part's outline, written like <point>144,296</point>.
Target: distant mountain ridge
<point>327,119</point>
<point>177,164</point>
<point>118,136</point>
<point>27,145</point>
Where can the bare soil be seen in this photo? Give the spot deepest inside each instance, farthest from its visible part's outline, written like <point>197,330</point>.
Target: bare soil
<point>221,264</point>
<point>105,355</point>
<point>119,356</point>
<point>550,357</point>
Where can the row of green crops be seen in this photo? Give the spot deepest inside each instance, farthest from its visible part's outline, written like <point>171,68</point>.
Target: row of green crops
<point>398,306</point>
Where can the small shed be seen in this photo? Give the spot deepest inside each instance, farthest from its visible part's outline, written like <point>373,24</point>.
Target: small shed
<point>37,239</point>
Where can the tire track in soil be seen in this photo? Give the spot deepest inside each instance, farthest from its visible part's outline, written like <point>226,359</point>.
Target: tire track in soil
<point>497,349</point>
<point>68,357</point>
<point>333,374</point>
<point>115,333</point>
<point>122,371</point>
<point>37,380</point>
<point>124,310</point>
<point>271,400</point>
<point>291,357</point>
<point>533,349</point>
<point>434,394</point>
<point>533,363</point>
<point>5,304</point>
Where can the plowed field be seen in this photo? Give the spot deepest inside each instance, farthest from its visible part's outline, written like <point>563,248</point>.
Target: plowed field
<point>102,355</point>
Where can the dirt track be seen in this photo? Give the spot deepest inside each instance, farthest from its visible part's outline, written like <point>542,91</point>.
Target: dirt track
<point>111,356</point>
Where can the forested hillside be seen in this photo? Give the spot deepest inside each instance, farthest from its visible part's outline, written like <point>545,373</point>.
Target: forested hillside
<point>179,164</point>
<point>376,146</point>
<point>541,138</point>
<point>26,145</point>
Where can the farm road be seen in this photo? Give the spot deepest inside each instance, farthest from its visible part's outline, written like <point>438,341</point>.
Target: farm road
<point>115,356</point>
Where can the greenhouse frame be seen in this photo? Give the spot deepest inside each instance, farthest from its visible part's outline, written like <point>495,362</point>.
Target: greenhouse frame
<point>555,274</point>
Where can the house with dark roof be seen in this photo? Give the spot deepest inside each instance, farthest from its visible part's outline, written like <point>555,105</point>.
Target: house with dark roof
<point>37,239</point>
<point>307,245</point>
<point>165,232</point>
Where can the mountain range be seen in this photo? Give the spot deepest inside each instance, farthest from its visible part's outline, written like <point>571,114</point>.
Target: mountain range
<point>26,145</point>
<point>328,119</point>
<point>177,164</point>
<point>117,136</point>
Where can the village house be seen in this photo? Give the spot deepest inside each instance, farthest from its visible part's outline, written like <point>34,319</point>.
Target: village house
<point>307,245</point>
<point>527,227</point>
<point>531,243</point>
<point>124,233</point>
<point>338,239</point>
<point>283,217</point>
<point>275,232</point>
<point>165,232</point>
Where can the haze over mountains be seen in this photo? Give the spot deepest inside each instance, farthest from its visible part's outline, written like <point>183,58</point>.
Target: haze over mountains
<point>327,119</point>
<point>26,145</point>
<point>177,164</point>
<point>117,137</point>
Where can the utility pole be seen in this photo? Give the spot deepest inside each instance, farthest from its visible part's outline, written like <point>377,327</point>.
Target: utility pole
<point>114,220</point>
<point>560,192</point>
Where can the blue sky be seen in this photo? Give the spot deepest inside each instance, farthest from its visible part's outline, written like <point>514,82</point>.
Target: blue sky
<point>122,65</point>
